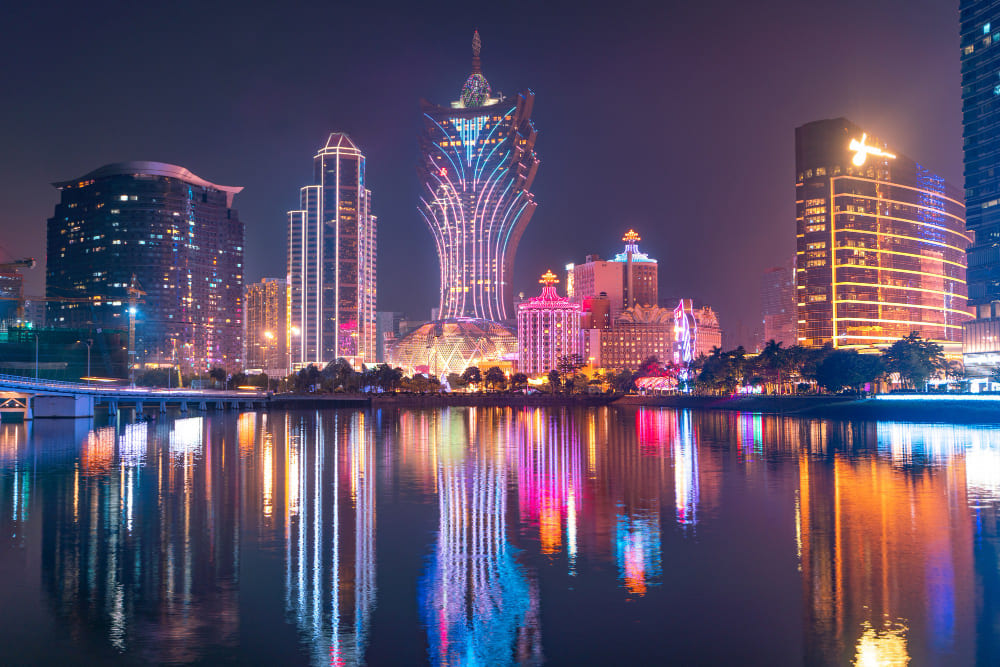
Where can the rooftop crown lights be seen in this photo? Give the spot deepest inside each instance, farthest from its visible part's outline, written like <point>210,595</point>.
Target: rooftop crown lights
<point>862,151</point>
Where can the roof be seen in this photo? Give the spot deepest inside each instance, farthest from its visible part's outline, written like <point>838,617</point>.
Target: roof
<point>152,169</point>
<point>340,140</point>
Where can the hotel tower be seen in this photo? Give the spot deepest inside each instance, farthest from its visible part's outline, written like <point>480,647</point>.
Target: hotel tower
<point>331,261</point>
<point>478,163</point>
<point>880,243</point>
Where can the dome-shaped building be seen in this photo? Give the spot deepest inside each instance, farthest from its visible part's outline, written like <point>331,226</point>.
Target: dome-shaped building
<point>452,345</point>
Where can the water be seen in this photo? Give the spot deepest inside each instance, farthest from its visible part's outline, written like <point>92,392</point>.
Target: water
<point>496,536</point>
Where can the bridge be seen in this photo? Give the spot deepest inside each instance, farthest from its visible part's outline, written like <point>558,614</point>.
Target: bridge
<point>24,398</point>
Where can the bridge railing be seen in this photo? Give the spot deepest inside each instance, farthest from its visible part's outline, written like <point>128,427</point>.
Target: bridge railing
<point>22,382</point>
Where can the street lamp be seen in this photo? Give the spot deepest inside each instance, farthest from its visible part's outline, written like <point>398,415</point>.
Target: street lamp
<point>88,343</point>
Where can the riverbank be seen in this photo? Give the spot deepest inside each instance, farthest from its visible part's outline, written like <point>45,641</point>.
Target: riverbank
<point>915,409</point>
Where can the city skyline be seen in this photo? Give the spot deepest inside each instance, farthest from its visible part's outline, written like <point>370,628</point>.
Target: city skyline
<point>578,64</point>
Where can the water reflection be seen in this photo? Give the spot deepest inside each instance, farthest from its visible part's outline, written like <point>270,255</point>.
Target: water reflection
<point>143,532</point>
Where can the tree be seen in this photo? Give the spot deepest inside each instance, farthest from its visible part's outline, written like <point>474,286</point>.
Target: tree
<point>518,381</point>
<point>915,359</point>
<point>218,374</point>
<point>554,381</point>
<point>495,377</point>
<point>847,368</point>
<point>455,380</point>
<point>472,375</point>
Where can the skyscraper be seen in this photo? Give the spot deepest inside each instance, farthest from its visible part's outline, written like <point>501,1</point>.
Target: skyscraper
<point>630,279</point>
<point>266,318</point>
<point>478,164</point>
<point>331,260</point>
<point>881,243</point>
<point>777,304</point>
<point>980,113</point>
<point>181,239</point>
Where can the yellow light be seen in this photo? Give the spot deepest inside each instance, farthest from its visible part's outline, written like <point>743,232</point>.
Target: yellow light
<point>862,151</point>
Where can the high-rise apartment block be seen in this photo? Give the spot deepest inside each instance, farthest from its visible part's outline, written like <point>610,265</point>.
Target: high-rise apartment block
<point>881,243</point>
<point>477,169</point>
<point>980,40</point>
<point>548,328</point>
<point>265,336</point>
<point>627,280</point>
<point>778,306</point>
<point>331,261</point>
<point>180,239</point>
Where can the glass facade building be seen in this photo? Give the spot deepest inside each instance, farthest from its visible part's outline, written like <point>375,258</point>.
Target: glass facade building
<point>181,239</point>
<point>980,56</point>
<point>331,261</point>
<point>477,165</point>
<point>880,243</point>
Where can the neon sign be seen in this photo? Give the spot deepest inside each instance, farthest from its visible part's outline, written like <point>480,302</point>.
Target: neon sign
<point>862,151</point>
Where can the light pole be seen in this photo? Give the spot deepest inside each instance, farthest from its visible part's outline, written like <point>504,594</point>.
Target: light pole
<point>36,356</point>
<point>88,343</point>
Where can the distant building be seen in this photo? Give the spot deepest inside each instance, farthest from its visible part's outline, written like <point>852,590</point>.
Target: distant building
<point>388,328</point>
<point>980,113</point>
<point>548,327</point>
<point>11,295</point>
<point>778,306</point>
<point>637,334</point>
<point>709,331</point>
<point>696,332</point>
<point>265,333</point>
<point>181,238</point>
<point>478,165</point>
<point>331,260</point>
<point>881,243</point>
<point>627,280</point>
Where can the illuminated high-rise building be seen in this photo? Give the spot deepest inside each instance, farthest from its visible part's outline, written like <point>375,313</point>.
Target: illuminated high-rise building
<point>980,38</point>
<point>180,238</point>
<point>264,335</point>
<point>881,243</point>
<point>331,261</point>
<point>478,164</point>
<point>778,305</point>
<point>548,327</point>
<point>629,279</point>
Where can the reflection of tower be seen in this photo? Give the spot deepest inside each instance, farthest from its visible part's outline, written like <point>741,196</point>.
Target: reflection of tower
<point>886,548</point>
<point>685,452</point>
<point>478,605</point>
<point>329,506</point>
<point>129,550</point>
<point>550,479</point>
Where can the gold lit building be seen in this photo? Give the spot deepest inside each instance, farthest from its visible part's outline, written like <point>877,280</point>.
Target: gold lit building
<point>880,243</point>
<point>265,326</point>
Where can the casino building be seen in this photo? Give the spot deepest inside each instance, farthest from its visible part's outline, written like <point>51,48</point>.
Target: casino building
<point>478,164</point>
<point>548,327</point>
<point>880,243</point>
<point>180,238</point>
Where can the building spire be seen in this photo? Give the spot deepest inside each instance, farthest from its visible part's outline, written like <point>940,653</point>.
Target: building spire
<point>477,44</point>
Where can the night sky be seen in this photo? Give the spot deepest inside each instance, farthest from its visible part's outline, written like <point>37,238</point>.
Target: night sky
<point>675,118</point>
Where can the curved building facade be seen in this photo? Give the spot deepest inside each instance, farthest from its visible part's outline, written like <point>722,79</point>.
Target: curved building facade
<point>181,239</point>
<point>478,164</point>
<point>881,243</point>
